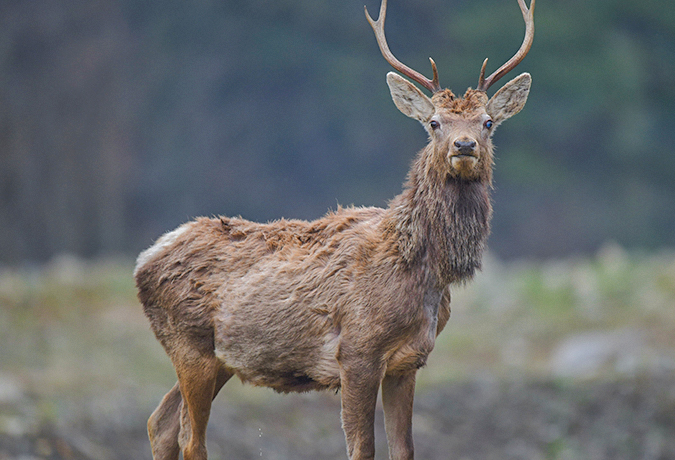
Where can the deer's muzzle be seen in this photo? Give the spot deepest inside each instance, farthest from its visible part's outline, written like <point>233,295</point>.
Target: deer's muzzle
<point>464,146</point>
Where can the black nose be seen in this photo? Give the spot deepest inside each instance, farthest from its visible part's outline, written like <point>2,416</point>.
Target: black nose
<point>465,146</point>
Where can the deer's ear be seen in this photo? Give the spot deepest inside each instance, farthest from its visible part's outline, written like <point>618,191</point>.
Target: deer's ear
<point>510,99</point>
<point>409,99</point>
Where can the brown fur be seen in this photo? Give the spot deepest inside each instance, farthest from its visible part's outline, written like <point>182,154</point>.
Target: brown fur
<point>473,101</point>
<point>351,301</point>
<point>342,301</point>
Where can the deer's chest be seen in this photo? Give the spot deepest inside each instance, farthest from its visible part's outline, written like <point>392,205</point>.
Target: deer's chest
<point>414,349</point>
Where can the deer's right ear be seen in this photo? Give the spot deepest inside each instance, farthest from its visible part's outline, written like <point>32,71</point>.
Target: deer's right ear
<point>409,99</point>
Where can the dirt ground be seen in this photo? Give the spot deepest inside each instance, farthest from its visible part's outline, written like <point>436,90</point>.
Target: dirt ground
<point>482,419</point>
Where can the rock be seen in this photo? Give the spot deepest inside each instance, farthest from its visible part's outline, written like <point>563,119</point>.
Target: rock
<point>586,355</point>
<point>10,390</point>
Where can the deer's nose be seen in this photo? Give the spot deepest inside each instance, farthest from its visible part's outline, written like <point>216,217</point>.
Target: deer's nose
<point>465,146</point>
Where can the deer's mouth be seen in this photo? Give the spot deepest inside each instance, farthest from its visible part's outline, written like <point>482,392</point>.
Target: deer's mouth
<point>464,163</point>
<point>463,157</point>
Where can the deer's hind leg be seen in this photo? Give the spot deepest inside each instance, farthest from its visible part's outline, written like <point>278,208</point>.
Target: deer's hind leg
<point>164,425</point>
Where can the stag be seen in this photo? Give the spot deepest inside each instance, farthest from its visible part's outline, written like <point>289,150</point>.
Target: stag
<point>351,301</point>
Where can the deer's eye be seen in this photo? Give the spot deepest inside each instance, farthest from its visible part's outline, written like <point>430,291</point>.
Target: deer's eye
<point>434,124</point>
<point>488,124</point>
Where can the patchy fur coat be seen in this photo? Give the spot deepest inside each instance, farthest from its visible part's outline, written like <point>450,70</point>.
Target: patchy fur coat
<point>281,302</point>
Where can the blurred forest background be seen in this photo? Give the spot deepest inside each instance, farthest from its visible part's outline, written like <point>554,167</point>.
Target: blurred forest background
<point>121,119</point>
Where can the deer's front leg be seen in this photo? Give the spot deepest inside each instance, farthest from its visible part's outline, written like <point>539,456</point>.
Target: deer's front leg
<point>359,386</point>
<point>397,399</point>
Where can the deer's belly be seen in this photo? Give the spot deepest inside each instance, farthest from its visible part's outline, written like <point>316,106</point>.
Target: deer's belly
<point>286,351</point>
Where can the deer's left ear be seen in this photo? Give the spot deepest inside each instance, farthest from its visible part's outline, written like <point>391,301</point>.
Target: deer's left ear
<point>510,99</point>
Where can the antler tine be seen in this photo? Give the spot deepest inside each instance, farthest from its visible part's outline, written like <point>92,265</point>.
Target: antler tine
<point>378,28</point>
<point>528,16</point>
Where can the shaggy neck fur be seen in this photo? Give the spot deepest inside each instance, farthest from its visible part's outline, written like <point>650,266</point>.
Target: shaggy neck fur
<point>441,222</point>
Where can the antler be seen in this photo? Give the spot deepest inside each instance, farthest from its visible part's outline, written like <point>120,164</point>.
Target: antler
<point>378,28</point>
<point>528,16</point>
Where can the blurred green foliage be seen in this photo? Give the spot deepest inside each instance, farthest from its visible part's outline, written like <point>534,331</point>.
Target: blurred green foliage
<point>122,119</point>
<point>74,325</point>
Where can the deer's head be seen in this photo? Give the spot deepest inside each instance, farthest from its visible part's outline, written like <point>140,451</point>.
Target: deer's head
<point>460,128</point>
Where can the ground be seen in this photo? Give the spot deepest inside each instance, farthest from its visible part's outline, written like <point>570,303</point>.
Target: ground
<point>568,359</point>
<point>480,419</point>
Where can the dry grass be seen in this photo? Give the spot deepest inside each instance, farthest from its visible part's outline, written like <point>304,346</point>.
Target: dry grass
<point>521,318</point>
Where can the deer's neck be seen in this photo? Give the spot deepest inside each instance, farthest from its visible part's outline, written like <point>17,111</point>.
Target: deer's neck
<point>441,223</point>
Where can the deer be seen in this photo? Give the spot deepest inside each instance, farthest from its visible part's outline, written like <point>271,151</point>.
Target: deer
<point>352,301</point>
